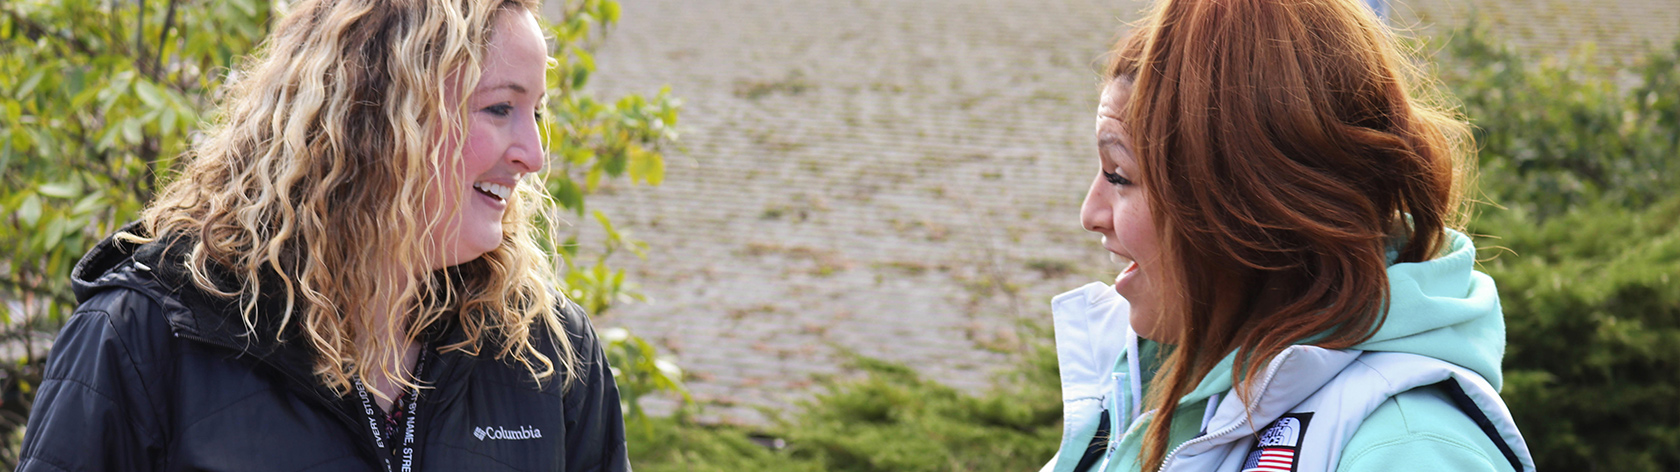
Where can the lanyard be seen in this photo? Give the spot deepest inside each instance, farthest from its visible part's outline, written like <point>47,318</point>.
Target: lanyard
<point>409,451</point>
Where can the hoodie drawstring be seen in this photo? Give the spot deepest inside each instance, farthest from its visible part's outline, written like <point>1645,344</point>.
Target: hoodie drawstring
<point>1212,407</point>
<point>1135,376</point>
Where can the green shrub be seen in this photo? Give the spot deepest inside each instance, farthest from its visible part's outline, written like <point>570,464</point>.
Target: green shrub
<point>1592,306</point>
<point>1564,131</point>
<point>892,420</point>
<point>1582,238</point>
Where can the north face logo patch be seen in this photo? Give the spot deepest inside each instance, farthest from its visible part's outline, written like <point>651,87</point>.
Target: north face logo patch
<point>1275,448</point>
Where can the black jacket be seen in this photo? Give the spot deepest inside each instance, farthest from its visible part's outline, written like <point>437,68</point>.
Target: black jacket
<point>152,374</point>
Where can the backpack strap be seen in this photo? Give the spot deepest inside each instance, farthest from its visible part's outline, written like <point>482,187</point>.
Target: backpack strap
<point>1098,447</point>
<point>1464,403</point>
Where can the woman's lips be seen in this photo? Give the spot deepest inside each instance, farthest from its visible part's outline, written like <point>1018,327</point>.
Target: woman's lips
<point>1118,259</point>
<point>494,202</point>
<point>1126,276</point>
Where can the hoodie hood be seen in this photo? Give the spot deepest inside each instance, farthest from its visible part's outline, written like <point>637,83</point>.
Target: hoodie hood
<point>1441,308</point>
<point>1445,309</point>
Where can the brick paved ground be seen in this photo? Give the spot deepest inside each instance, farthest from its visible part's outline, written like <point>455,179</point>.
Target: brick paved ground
<point>900,179</point>
<point>1618,29</point>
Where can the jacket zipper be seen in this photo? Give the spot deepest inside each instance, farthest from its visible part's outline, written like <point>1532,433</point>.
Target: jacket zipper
<point>1261,387</point>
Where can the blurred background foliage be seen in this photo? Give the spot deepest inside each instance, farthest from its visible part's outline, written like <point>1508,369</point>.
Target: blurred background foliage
<point>1580,227</point>
<point>99,99</point>
<point>1577,220</point>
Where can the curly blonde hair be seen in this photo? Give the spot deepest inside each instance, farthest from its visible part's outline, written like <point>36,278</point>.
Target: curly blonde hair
<point>309,185</point>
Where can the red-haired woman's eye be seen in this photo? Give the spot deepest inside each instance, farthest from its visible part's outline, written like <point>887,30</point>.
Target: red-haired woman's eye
<point>1116,179</point>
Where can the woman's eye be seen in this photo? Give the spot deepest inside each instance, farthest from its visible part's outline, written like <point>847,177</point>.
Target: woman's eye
<point>501,109</point>
<point>1116,179</point>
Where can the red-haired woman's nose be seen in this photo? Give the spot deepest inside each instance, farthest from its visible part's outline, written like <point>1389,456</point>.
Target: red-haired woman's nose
<point>1096,215</point>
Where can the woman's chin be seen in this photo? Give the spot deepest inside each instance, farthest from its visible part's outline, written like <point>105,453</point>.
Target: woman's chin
<point>466,251</point>
<point>1145,319</point>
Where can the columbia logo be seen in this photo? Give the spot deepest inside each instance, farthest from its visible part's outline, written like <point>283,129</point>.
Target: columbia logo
<point>498,432</point>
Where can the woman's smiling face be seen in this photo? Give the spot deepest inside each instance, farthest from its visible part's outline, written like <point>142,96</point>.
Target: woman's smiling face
<point>1118,208</point>
<point>500,146</point>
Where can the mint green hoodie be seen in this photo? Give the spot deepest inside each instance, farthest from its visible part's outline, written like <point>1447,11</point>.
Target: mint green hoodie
<point>1442,309</point>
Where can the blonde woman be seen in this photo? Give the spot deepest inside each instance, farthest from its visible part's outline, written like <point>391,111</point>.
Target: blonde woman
<point>347,275</point>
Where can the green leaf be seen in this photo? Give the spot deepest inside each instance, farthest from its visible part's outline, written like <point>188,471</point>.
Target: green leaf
<point>64,189</point>
<point>584,58</point>
<point>609,12</point>
<point>88,204</point>
<point>580,77</point>
<point>30,211</point>
<point>131,130</point>
<point>56,227</point>
<point>566,193</point>
<point>578,155</point>
<point>592,180</point>
<point>613,164</point>
<point>83,97</point>
<point>645,165</point>
<point>167,122</point>
<point>606,224</point>
<point>108,139</point>
<point>28,85</point>
<point>149,93</point>
<point>14,113</point>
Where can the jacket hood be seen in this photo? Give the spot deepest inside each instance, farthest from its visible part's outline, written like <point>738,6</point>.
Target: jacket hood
<point>109,264</point>
<point>1440,308</point>
<point>1445,309</point>
<point>157,269</point>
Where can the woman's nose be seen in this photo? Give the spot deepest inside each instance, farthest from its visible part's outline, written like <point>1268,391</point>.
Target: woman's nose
<point>1096,215</point>
<point>527,152</point>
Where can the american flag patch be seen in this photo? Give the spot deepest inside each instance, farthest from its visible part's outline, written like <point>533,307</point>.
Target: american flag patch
<point>1275,447</point>
<point>1273,459</point>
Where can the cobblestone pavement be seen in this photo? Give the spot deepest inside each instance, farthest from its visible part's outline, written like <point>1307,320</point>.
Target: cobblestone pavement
<point>898,179</point>
<point>1618,29</point>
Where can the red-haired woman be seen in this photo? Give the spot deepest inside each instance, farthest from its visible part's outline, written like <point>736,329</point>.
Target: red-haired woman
<point>1293,297</point>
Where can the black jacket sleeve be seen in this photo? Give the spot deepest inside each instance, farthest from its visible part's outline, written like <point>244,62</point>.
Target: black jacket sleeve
<point>93,409</point>
<point>594,417</point>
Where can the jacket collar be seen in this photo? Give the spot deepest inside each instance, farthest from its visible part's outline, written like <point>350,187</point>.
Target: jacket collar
<point>1295,374</point>
<point>1091,324</point>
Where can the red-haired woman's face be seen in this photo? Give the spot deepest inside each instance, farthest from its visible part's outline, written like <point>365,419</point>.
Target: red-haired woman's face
<point>1117,208</point>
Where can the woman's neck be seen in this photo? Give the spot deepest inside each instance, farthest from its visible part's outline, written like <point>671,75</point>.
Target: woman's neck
<point>384,384</point>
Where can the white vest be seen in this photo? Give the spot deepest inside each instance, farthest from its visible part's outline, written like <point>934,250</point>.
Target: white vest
<point>1309,436</point>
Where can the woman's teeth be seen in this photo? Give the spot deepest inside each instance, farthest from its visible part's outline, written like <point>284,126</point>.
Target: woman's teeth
<point>501,192</point>
<point>1119,260</point>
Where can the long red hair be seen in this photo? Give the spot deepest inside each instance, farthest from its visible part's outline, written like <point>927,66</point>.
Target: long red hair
<point>1285,147</point>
